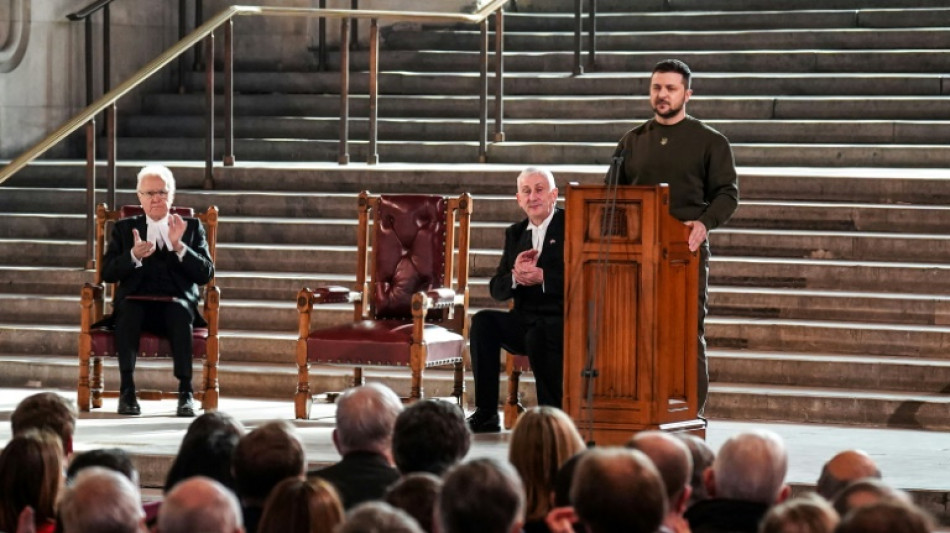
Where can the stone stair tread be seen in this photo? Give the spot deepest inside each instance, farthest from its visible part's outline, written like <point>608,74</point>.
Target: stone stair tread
<point>844,325</point>
<point>831,262</point>
<point>718,353</point>
<point>829,392</point>
<point>815,293</point>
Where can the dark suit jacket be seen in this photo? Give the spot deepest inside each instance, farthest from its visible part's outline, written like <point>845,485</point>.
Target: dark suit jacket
<point>533,299</point>
<point>359,477</point>
<point>194,269</point>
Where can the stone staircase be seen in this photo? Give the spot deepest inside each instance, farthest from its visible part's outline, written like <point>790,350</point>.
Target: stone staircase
<point>830,289</point>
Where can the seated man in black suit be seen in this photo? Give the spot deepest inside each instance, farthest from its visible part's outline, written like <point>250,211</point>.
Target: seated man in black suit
<point>162,255</point>
<point>531,271</point>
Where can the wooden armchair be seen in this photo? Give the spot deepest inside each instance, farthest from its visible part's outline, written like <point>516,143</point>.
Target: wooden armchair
<point>97,342</point>
<point>514,365</point>
<point>406,311</point>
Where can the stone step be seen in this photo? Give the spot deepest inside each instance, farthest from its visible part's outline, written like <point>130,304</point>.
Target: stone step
<point>524,153</point>
<point>927,187</point>
<point>633,105</point>
<point>686,6</point>
<point>742,20</point>
<point>926,375</point>
<point>723,60</point>
<point>829,406</point>
<point>793,40</point>
<point>822,274</point>
<point>592,83</point>
<point>524,130</point>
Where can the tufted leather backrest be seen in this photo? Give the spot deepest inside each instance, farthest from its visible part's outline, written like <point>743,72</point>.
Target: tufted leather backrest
<point>409,251</point>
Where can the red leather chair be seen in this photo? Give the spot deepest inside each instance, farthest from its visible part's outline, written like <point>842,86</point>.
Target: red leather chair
<point>96,343</point>
<point>406,311</point>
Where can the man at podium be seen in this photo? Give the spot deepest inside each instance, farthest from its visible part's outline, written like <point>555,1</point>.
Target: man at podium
<point>697,163</point>
<point>531,271</point>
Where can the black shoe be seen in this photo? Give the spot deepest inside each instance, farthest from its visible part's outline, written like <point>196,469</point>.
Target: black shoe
<point>186,404</point>
<point>484,421</point>
<point>129,404</point>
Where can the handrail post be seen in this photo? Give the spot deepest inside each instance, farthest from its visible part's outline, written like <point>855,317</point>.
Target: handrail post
<point>578,30</point>
<point>355,35</point>
<point>592,38</point>
<point>322,39</point>
<point>228,158</point>
<point>106,50</point>
<point>182,24</point>
<point>372,155</point>
<point>343,155</point>
<point>110,154</point>
<point>89,52</point>
<point>500,75</point>
<point>209,111</point>
<point>483,94</point>
<point>90,192</point>
<point>199,52</point>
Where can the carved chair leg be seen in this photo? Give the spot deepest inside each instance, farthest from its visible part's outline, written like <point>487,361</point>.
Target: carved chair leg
<point>303,401</point>
<point>82,392</point>
<point>209,399</point>
<point>97,382</point>
<point>416,391</point>
<point>459,389</point>
<point>513,407</point>
<point>358,379</point>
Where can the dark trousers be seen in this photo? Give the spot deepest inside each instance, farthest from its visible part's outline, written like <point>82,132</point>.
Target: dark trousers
<point>172,320</point>
<point>702,367</point>
<point>540,337</point>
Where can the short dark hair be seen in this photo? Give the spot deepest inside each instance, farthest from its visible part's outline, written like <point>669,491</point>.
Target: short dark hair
<point>430,436</point>
<point>675,65</point>
<point>112,458</point>
<point>481,496</point>
<point>886,516</point>
<point>208,455</point>
<point>265,457</point>
<point>416,493</point>
<point>47,411</point>
<point>618,490</point>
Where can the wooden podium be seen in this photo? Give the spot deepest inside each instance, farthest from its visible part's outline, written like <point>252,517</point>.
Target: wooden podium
<point>630,314</point>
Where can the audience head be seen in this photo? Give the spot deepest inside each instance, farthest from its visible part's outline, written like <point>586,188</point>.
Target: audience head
<point>702,457</point>
<point>365,417</point>
<point>200,504</point>
<point>543,439</point>
<point>804,514</point>
<point>31,474</point>
<point>672,458</point>
<point>101,500</point>
<point>416,494</point>
<point>750,467</point>
<point>617,490</point>
<point>298,506</point>
<point>47,411</point>
<point>112,458</point>
<point>886,516</point>
<point>563,480</point>
<point>863,492</point>
<point>481,496</point>
<point>205,454</point>
<point>843,468</point>
<point>430,436</point>
<point>265,457</point>
<point>378,517</point>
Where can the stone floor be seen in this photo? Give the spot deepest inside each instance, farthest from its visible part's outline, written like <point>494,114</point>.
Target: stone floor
<point>918,461</point>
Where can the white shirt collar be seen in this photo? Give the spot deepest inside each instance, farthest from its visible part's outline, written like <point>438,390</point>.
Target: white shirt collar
<point>157,231</point>
<point>538,232</point>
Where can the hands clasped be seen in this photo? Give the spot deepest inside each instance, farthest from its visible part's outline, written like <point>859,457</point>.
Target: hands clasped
<point>176,229</point>
<point>526,271</point>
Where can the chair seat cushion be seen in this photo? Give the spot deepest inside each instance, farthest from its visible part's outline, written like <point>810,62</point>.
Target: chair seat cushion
<point>520,363</point>
<point>382,342</point>
<point>150,345</point>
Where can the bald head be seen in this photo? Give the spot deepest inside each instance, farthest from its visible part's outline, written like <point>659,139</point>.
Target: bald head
<point>672,458</point>
<point>365,417</point>
<point>102,500</point>
<point>751,467</point>
<point>843,468</point>
<point>200,504</point>
<point>616,490</point>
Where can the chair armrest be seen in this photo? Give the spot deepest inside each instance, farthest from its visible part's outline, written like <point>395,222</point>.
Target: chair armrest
<point>440,298</point>
<point>90,304</point>
<point>334,294</point>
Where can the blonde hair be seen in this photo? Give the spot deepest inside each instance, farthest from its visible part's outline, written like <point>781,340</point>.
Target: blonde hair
<point>806,514</point>
<point>543,439</point>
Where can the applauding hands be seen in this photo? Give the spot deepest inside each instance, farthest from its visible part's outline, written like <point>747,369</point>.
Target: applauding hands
<point>526,271</point>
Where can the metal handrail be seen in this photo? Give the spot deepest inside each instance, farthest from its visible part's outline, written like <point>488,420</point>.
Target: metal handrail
<point>87,11</point>
<point>205,34</point>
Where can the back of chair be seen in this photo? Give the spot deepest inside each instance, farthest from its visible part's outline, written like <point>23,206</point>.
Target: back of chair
<point>409,251</point>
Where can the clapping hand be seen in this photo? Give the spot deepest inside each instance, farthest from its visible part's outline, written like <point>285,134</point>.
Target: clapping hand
<point>141,249</point>
<point>526,271</point>
<point>176,228</point>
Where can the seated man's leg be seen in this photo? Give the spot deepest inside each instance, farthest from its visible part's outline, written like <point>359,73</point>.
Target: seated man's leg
<point>491,330</point>
<point>544,340</point>
<point>129,316</point>
<point>179,320</point>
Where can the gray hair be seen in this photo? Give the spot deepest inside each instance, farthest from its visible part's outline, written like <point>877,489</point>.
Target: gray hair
<point>200,504</point>
<point>532,171</point>
<point>365,417</point>
<point>101,501</point>
<point>162,172</point>
<point>752,467</point>
<point>378,517</point>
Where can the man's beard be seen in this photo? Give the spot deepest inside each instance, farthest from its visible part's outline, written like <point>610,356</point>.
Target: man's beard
<point>672,112</point>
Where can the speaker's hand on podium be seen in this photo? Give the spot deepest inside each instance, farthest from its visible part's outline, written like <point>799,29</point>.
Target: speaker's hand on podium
<point>697,234</point>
